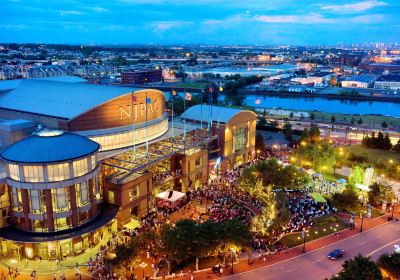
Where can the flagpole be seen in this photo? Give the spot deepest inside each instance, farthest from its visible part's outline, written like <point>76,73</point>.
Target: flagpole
<point>172,119</point>
<point>147,134</point>
<point>201,108</point>
<point>184,122</point>
<point>133,127</point>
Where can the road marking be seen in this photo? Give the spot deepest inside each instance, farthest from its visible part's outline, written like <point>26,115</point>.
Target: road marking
<point>276,268</point>
<point>384,246</point>
<point>317,261</point>
<point>288,271</point>
<point>362,244</point>
<point>310,252</point>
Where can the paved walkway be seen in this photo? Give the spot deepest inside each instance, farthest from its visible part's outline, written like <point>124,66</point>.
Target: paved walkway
<point>245,265</point>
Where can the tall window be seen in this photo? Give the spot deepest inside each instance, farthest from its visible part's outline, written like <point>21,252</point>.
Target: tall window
<point>13,169</point>
<point>62,223</point>
<point>58,172</point>
<point>97,190</point>
<point>37,202</point>
<point>80,167</point>
<point>240,138</point>
<point>16,199</point>
<point>33,173</point>
<point>82,194</point>
<point>60,199</point>
<point>94,162</point>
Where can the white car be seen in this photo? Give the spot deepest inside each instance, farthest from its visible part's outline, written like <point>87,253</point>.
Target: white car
<point>397,249</point>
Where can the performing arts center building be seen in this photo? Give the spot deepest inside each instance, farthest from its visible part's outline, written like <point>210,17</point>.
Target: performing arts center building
<point>82,160</point>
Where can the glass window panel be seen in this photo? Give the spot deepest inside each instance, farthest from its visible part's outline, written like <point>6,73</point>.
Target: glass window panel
<point>14,172</point>
<point>33,173</point>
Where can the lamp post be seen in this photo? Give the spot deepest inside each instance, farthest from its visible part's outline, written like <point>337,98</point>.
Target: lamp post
<point>391,216</point>
<point>303,234</point>
<point>232,254</point>
<point>362,220</point>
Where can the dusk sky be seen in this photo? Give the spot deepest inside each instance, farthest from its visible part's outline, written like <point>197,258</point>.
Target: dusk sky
<point>266,22</point>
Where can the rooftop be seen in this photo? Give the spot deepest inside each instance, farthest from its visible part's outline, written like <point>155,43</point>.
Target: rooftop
<point>7,85</point>
<point>65,100</point>
<point>362,78</point>
<point>54,146</point>
<point>389,78</point>
<point>205,113</point>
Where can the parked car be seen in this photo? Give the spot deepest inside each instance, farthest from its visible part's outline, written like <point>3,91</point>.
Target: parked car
<point>335,254</point>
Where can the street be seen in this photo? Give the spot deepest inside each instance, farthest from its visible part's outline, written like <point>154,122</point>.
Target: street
<point>315,265</point>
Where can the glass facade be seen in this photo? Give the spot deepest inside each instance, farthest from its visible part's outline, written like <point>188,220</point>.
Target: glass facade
<point>16,199</point>
<point>58,172</point>
<point>80,167</point>
<point>125,139</point>
<point>33,173</point>
<point>240,138</point>
<point>37,202</point>
<point>60,199</point>
<point>13,170</point>
<point>82,194</point>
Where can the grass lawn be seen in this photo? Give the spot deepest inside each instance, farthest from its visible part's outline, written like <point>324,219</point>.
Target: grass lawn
<point>192,85</point>
<point>323,226</point>
<point>373,154</point>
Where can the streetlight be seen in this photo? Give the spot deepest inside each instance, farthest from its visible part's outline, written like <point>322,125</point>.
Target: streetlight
<point>303,234</point>
<point>391,216</point>
<point>362,220</point>
<point>232,254</point>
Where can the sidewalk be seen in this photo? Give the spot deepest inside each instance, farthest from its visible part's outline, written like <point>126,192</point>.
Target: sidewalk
<point>244,265</point>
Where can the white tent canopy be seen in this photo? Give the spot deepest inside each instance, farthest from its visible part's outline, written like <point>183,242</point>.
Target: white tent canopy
<point>170,195</point>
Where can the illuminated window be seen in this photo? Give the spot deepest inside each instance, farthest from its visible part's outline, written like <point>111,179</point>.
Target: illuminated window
<point>111,197</point>
<point>97,189</point>
<point>16,199</point>
<point>80,167</point>
<point>39,225</point>
<point>33,173</point>
<point>58,172</point>
<point>240,138</point>
<point>62,223</point>
<point>13,169</point>
<point>94,162</point>
<point>60,199</point>
<point>134,193</point>
<point>82,194</point>
<point>37,202</point>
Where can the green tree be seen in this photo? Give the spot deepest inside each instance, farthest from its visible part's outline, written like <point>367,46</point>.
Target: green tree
<point>384,124</point>
<point>315,134</point>
<point>360,121</point>
<point>379,192</point>
<point>312,116</point>
<point>346,201</point>
<point>357,175</point>
<point>263,222</point>
<point>288,132</point>
<point>319,156</point>
<point>396,148</point>
<point>305,135</point>
<point>333,119</point>
<point>390,264</point>
<point>359,268</point>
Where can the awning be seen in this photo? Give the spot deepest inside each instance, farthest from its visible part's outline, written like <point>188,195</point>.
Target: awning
<point>318,197</point>
<point>341,181</point>
<point>171,196</point>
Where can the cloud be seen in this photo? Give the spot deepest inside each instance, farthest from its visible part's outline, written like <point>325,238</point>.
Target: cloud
<point>355,7</point>
<point>70,12</point>
<point>161,26</point>
<point>367,19</point>
<point>99,9</point>
<point>305,19</point>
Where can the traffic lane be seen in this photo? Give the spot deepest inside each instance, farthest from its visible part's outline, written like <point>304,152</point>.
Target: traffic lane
<point>316,265</point>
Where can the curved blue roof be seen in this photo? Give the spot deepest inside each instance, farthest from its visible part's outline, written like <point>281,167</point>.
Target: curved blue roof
<point>47,149</point>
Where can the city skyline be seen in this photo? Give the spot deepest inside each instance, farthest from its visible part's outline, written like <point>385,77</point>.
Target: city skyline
<point>205,22</point>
